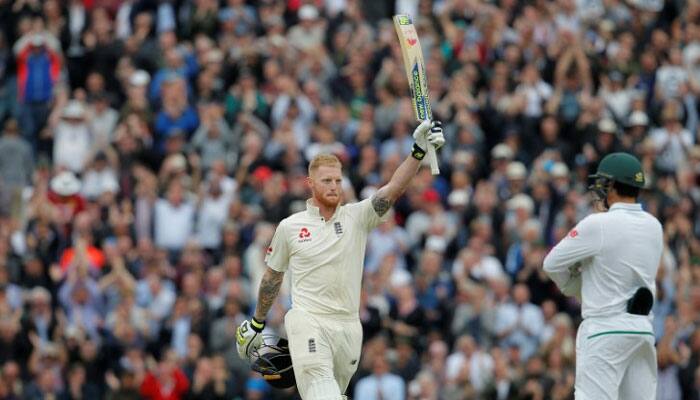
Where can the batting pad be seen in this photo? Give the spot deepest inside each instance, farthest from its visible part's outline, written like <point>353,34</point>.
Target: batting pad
<point>323,389</point>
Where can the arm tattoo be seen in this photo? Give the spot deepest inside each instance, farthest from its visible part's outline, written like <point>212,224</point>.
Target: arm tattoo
<point>381,205</point>
<point>269,288</point>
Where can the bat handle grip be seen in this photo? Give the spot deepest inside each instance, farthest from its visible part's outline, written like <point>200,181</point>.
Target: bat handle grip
<point>432,158</point>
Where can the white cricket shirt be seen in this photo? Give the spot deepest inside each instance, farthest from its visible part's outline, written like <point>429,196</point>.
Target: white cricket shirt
<point>616,252</point>
<point>325,257</point>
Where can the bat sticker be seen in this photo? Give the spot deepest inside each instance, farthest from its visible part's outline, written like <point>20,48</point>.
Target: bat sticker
<point>404,20</point>
<point>418,95</point>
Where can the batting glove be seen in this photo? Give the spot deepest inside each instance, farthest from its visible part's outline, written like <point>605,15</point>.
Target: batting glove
<point>249,337</point>
<point>427,133</point>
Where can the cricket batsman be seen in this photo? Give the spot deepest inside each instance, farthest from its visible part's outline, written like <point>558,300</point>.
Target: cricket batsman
<point>324,249</point>
<point>609,261</point>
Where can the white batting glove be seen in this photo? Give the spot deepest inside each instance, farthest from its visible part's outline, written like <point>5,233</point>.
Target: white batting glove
<point>249,337</point>
<point>429,132</point>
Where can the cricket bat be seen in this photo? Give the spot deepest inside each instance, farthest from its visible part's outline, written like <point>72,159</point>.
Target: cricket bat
<point>417,79</point>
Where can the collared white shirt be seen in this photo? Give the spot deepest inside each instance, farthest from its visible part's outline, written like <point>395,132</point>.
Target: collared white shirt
<point>72,146</point>
<point>480,367</point>
<point>325,257</point>
<point>385,387</point>
<point>616,252</point>
<point>173,224</point>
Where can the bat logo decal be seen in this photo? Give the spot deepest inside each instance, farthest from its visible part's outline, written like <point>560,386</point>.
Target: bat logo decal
<point>412,42</point>
<point>418,96</point>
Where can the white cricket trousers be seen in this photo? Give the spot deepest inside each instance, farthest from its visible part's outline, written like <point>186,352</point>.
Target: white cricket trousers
<point>615,359</point>
<point>325,353</point>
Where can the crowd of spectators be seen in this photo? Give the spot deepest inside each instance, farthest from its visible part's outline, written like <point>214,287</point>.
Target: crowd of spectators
<point>149,147</point>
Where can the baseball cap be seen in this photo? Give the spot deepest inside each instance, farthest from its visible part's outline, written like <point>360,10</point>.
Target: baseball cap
<point>139,78</point>
<point>177,161</point>
<point>308,12</point>
<point>502,150</point>
<point>65,184</point>
<point>458,198</point>
<point>559,170</point>
<point>638,118</point>
<point>215,56</point>
<point>74,110</point>
<point>607,125</point>
<point>521,201</point>
<point>516,170</point>
<point>436,243</point>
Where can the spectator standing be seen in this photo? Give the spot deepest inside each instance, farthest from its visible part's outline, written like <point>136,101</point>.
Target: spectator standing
<point>39,64</point>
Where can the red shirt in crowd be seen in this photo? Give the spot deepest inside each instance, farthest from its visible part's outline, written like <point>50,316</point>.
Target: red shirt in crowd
<point>68,206</point>
<point>152,388</point>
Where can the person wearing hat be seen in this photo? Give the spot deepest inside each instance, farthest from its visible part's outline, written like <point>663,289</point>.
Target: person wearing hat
<point>136,89</point>
<point>309,33</point>
<point>602,141</point>
<point>559,174</point>
<point>515,180</point>
<point>72,138</point>
<point>64,196</point>
<point>609,261</point>
<point>501,155</point>
<point>636,131</point>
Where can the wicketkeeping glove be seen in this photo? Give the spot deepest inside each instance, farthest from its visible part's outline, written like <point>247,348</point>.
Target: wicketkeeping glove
<point>249,337</point>
<point>428,132</point>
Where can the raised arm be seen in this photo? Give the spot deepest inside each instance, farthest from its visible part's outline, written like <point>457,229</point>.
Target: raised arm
<point>426,133</point>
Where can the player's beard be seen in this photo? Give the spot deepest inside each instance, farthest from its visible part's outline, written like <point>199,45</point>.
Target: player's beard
<point>328,201</point>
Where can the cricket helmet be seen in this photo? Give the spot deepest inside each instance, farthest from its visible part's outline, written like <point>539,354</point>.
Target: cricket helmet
<point>618,167</point>
<point>273,361</point>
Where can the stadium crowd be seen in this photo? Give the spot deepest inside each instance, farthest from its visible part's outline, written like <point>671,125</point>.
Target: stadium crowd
<point>148,149</point>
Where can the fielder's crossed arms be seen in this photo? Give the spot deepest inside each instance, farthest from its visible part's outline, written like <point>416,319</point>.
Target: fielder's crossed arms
<point>324,249</point>
<point>609,261</point>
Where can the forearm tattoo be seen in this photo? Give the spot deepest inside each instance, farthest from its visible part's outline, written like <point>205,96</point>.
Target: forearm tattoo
<point>381,205</point>
<point>269,288</point>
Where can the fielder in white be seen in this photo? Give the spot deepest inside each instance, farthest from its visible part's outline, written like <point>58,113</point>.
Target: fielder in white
<point>324,249</point>
<point>609,261</point>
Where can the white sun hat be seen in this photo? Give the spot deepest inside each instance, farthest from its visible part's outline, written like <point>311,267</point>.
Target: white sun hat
<point>65,184</point>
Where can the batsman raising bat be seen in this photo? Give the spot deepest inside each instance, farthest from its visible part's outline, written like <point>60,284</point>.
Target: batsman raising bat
<point>609,261</point>
<point>324,249</point>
